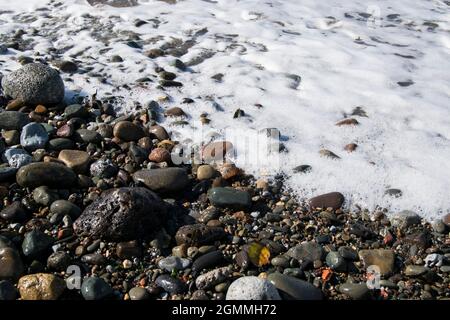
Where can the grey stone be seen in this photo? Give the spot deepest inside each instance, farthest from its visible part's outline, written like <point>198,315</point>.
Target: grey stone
<point>173,263</point>
<point>336,262</point>
<point>15,212</point>
<point>405,219</point>
<point>75,111</point>
<point>163,180</point>
<point>171,285</point>
<point>252,288</point>
<point>45,196</point>
<point>35,243</point>
<point>306,251</point>
<point>94,288</point>
<point>229,198</point>
<point>65,207</point>
<point>138,293</point>
<point>198,234</point>
<point>34,84</point>
<point>294,288</point>
<point>356,291</point>
<point>213,277</point>
<point>17,158</point>
<point>13,120</point>
<point>58,261</point>
<point>7,291</point>
<point>103,168</point>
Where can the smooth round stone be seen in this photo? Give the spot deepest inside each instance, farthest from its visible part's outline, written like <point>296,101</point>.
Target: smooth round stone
<point>213,277</point>
<point>295,288</point>
<point>61,144</point>
<point>45,196</point>
<point>173,263</point>
<point>171,285</point>
<point>439,226</point>
<point>75,111</point>
<point>103,168</point>
<point>208,260</point>
<point>41,286</point>
<point>138,293</point>
<point>75,159</point>
<point>11,266</point>
<point>35,243</point>
<point>94,288</point>
<point>252,288</point>
<point>414,271</point>
<point>46,173</point>
<point>163,180</point>
<point>7,291</point>
<point>58,261</point>
<point>356,291</point>
<point>127,131</point>
<point>33,84</point>
<point>329,200</point>
<point>87,136</point>
<point>229,198</point>
<point>159,155</point>
<point>205,172</point>
<point>159,132</point>
<point>396,193</point>
<point>33,136</point>
<point>280,262</point>
<point>13,120</point>
<point>336,262</point>
<point>65,207</point>
<point>15,212</point>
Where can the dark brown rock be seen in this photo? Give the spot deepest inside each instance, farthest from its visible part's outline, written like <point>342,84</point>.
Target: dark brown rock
<point>198,234</point>
<point>122,214</point>
<point>329,200</point>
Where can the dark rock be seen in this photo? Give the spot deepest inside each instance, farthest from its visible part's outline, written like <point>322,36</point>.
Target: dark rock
<point>15,212</point>
<point>121,214</point>
<point>93,259</point>
<point>356,291</point>
<point>103,168</point>
<point>59,144</point>
<point>94,288</point>
<point>59,261</point>
<point>171,285</point>
<point>75,111</point>
<point>87,136</point>
<point>127,131</point>
<point>128,250</point>
<point>198,234</point>
<point>336,262</point>
<point>13,120</point>
<point>7,291</point>
<point>208,260</point>
<point>36,243</point>
<point>65,207</point>
<point>229,198</point>
<point>302,168</point>
<point>51,174</point>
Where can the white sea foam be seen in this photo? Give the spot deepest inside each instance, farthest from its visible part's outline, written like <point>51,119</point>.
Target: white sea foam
<point>344,60</point>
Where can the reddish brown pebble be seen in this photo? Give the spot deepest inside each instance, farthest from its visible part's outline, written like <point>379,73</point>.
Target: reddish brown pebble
<point>348,122</point>
<point>159,155</point>
<point>351,147</point>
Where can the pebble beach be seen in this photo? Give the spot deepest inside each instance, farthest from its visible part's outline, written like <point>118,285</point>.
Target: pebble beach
<point>109,192</point>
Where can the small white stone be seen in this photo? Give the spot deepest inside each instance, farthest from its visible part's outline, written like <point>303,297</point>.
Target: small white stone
<point>252,288</point>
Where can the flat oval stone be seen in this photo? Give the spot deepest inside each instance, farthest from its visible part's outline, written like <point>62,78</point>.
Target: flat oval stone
<point>295,288</point>
<point>229,198</point>
<point>356,291</point>
<point>208,260</point>
<point>198,234</point>
<point>162,180</point>
<point>306,251</point>
<point>87,136</point>
<point>127,131</point>
<point>329,200</point>
<point>50,174</point>
<point>138,293</point>
<point>173,263</point>
<point>65,207</point>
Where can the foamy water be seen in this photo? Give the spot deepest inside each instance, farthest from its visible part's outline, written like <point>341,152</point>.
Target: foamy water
<point>308,63</point>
